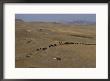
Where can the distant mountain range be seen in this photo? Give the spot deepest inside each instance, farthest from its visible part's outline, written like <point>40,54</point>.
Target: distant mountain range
<point>78,22</point>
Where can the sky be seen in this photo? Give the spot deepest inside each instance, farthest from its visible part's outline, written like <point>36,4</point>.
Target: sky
<point>56,17</point>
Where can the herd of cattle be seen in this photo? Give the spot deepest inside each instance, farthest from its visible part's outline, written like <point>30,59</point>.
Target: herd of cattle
<point>62,43</point>
<point>59,43</point>
<point>54,45</point>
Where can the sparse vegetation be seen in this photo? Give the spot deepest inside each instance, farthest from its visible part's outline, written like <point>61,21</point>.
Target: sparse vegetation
<point>55,45</point>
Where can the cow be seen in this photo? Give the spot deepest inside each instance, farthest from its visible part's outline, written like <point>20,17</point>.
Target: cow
<point>55,44</point>
<point>51,45</point>
<point>27,55</point>
<point>40,48</point>
<point>37,49</point>
<point>44,48</point>
<point>29,41</point>
<point>66,43</point>
<point>71,43</point>
<point>57,58</point>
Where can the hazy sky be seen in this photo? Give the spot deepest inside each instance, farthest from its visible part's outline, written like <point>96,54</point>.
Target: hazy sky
<point>56,17</point>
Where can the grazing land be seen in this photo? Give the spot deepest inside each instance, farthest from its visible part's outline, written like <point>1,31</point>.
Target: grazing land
<point>54,45</point>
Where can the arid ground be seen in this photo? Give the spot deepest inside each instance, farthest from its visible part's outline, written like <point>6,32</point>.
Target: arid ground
<point>54,45</point>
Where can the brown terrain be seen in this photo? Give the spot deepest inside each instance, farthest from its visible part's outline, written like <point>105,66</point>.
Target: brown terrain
<point>55,45</point>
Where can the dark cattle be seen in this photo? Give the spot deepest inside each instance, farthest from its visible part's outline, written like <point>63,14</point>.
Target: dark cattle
<point>40,48</point>
<point>55,44</point>
<point>27,56</point>
<point>51,45</point>
<point>71,43</point>
<point>40,29</point>
<point>29,41</point>
<point>90,44</point>
<point>59,59</point>
<point>44,48</point>
<point>37,49</point>
<point>66,43</point>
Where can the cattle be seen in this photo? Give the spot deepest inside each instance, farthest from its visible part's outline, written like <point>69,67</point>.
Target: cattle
<point>27,56</point>
<point>44,48</point>
<point>40,48</point>
<point>66,43</point>
<point>29,41</point>
<point>57,58</point>
<point>51,45</point>
<point>40,29</point>
<point>71,43</point>
<point>37,49</point>
<point>55,44</point>
<point>90,44</point>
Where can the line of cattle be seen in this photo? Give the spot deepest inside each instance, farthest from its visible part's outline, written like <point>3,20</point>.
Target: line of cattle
<point>59,43</point>
<point>62,43</point>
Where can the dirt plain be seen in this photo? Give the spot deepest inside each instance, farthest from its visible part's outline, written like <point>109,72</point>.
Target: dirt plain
<point>54,45</point>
